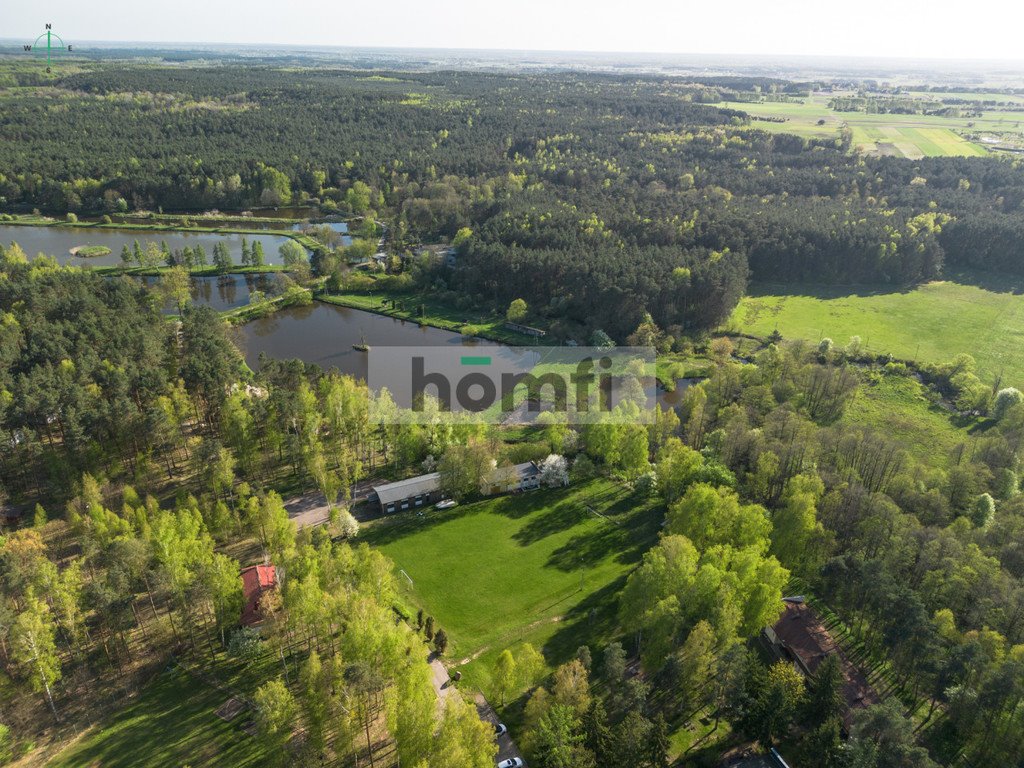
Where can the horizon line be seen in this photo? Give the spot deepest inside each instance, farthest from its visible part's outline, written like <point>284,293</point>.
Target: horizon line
<point>309,47</point>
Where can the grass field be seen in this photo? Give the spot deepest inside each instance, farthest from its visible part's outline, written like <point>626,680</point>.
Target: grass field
<point>897,405</point>
<point>171,724</point>
<point>912,136</point>
<point>931,323</point>
<point>509,569</point>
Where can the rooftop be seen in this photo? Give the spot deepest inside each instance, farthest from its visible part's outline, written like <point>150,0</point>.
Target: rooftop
<point>404,489</point>
<point>527,469</point>
<point>256,579</point>
<point>807,640</point>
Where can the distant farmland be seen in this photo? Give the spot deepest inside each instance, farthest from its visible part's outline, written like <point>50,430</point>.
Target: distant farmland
<point>912,136</point>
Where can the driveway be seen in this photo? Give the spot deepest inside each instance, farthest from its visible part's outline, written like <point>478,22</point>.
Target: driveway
<point>310,509</point>
<point>444,687</point>
<point>506,747</point>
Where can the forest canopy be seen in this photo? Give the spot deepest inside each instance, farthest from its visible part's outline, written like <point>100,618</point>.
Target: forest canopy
<point>596,196</point>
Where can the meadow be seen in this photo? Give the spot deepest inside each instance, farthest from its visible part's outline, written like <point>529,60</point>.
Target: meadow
<point>543,567</point>
<point>899,405</point>
<point>933,322</point>
<point>170,724</point>
<point>911,136</point>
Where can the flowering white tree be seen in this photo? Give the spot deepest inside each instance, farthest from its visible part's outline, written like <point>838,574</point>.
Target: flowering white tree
<point>554,471</point>
<point>347,525</point>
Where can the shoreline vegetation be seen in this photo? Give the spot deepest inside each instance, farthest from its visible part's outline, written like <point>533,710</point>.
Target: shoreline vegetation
<point>426,309</point>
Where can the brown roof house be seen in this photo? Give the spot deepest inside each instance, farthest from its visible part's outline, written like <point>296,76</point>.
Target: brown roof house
<point>801,637</point>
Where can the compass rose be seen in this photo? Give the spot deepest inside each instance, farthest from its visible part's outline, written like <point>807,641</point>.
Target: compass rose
<point>50,42</point>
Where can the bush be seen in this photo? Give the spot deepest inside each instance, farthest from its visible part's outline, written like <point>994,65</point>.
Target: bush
<point>582,469</point>
<point>348,526</point>
<point>245,644</point>
<point>441,642</point>
<point>517,311</point>
<point>983,511</point>
<point>1005,400</point>
<point>646,484</point>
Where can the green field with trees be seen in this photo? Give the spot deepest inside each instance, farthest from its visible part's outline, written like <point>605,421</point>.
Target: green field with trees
<point>522,568</point>
<point>912,134</point>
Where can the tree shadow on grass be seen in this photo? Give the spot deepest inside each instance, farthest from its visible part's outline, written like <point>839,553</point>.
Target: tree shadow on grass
<point>996,282</point>
<point>758,290</point>
<point>562,509</point>
<point>626,536</point>
<point>172,722</point>
<point>401,524</point>
<point>560,517</point>
<point>592,621</point>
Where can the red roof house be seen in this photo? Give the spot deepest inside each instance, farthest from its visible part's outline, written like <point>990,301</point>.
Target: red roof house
<point>256,579</point>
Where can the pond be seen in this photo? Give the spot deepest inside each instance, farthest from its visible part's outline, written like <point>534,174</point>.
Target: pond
<point>58,241</point>
<point>324,334</point>
<point>674,398</point>
<point>341,227</point>
<point>224,292</point>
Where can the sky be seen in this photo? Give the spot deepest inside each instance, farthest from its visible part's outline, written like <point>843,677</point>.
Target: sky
<point>940,29</point>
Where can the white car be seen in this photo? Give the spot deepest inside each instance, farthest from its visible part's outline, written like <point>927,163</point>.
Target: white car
<point>445,504</point>
<point>500,730</point>
<point>512,762</point>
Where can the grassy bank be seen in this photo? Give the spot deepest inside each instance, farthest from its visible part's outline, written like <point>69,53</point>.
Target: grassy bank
<point>156,226</point>
<point>436,313</point>
<point>207,271</point>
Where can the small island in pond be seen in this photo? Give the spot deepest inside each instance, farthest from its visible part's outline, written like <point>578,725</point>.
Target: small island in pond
<point>89,251</point>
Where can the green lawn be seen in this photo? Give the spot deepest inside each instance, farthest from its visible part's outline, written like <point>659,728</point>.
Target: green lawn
<point>509,569</point>
<point>931,323</point>
<point>171,724</point>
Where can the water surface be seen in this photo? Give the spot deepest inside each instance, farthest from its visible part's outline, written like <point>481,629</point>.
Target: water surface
<point>324,334</point>
<point>58,241</point>
<point>224,292</point>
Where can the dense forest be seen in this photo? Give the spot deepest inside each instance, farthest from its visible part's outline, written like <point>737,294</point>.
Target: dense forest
<point>621,192</point>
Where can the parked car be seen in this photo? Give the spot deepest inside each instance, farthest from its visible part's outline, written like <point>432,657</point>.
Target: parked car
<point>500,729</point>
<point>512,762</point>
<point>445,504</point>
